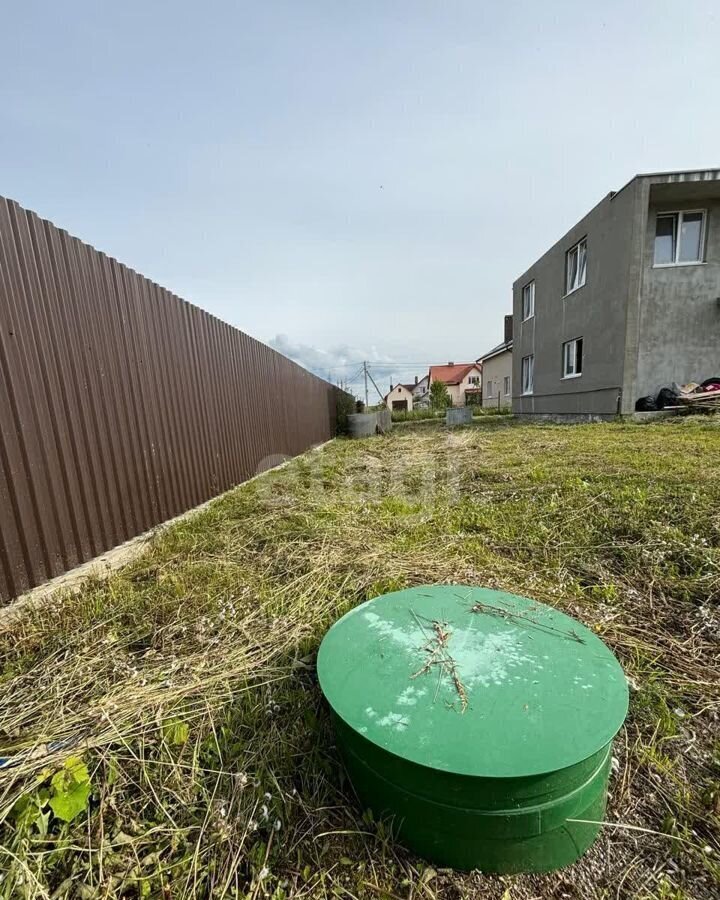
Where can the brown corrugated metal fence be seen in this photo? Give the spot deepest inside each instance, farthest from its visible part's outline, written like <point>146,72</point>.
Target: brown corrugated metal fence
<point>121,404</point>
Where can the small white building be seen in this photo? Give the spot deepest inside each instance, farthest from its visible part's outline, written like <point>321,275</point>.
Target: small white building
<point>400,397</point>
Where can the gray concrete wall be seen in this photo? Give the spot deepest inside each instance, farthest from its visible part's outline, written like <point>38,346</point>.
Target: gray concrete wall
<point>596,312</point>
<point>458,415</point>
<point>679,327</point>
<point>361,425</point>
<point>494,371</point>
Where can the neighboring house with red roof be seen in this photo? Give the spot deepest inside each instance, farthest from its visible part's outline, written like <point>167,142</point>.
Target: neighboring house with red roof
<point>463,381</point>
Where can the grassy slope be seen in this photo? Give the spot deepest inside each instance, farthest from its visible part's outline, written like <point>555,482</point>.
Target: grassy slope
<point>186,681</point>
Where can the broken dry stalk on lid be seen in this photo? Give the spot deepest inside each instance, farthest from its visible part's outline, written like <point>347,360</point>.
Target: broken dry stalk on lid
<point>437,647</point>
<point>571,634</point>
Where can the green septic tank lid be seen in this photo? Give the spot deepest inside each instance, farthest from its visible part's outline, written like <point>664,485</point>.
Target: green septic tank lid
<point>473,681</point>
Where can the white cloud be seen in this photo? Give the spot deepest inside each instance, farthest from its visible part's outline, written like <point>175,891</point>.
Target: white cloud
<point>344,362</point>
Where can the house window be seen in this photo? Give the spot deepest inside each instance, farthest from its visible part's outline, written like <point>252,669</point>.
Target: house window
<point>679,237</point>
<point>572,358</point>
<point>474,379</point>
<point>576,266</point>
<point>528,301</point>
<point>526,370</point>
<point>506,385</point>
<point>489,388</point>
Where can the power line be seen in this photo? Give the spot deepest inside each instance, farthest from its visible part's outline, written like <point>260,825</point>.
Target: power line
<point>357,375</point>
<point>379,364</point>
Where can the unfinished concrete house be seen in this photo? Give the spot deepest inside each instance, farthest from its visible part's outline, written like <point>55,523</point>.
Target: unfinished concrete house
<point>625,303</point>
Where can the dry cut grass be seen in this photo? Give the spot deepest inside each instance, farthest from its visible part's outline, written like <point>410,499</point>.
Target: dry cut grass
<point>171,711</point>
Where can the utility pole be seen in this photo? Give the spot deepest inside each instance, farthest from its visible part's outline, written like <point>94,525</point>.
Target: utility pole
<point>367,397</point>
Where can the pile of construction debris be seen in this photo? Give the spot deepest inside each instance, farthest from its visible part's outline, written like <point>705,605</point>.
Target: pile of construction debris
<point>705,395</point>
<point>687,396</point>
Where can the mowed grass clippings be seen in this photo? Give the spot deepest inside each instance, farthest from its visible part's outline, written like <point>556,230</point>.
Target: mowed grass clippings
<point>183,687</point>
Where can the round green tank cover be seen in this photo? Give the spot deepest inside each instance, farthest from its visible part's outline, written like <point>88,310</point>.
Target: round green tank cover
<point>479,721</point>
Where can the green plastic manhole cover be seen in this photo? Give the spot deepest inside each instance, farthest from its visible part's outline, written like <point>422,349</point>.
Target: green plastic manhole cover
<point>481,722</point>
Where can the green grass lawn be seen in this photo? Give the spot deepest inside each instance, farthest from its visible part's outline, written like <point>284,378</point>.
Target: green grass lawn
<point>165,725</point>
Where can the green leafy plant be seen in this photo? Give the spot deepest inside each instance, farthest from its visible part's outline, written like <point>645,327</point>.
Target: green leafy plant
<point>70,790</point>
<point>175,731</point>
<point>344,406</point>
<point>439,396</point>
<point>66,797</point>
<point>30,812</point>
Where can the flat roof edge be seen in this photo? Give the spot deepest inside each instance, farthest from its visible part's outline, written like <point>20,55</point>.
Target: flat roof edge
<point>712,171</point>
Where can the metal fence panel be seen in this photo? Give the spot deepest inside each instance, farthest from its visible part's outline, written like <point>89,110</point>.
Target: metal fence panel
<point>122,405</point>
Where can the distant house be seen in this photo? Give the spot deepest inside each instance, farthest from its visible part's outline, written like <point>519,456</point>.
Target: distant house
<point>409,396</point>
<point>399,397</point>
<point>497,370</point>
<point>421,392</point>
<point>463,381</point>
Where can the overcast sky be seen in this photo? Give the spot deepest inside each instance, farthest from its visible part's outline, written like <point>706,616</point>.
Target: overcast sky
<point>348,179</point>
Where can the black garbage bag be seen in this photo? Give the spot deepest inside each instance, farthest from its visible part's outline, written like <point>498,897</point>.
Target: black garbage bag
<point>666,397</point>
<point>646,404</point>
